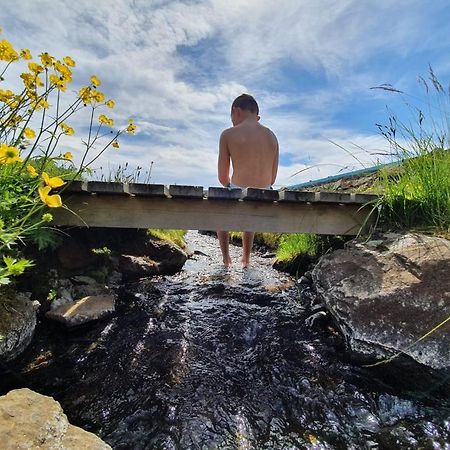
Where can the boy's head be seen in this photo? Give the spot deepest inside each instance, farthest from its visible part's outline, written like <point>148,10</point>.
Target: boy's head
<point>243,105</point>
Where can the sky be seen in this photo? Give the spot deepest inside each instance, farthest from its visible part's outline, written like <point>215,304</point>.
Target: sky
<point>176,66</point>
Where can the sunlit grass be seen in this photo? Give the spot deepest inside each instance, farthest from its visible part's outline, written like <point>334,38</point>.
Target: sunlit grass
<point>174,236</point>
<point>292,245</point>
<point>417,193</point>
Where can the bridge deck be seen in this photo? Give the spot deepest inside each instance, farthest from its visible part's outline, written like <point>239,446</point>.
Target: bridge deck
<point>119,205</point>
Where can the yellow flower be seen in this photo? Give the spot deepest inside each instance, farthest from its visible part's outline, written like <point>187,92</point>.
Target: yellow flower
<point>53,201</point>
<point>131,128</point>
<point>54,78</point>
<point>98,96</point>
<point>53,182</point>
<point>31,170</point>
<point>95,81</point>
<point>42,103</point>
<point>68,156</point>
<point>66,129</point>
<point>65,72</point>
<point>29,133</point>
<point>34,67</point>
<point>7,52</point>
<point>46,59</point>
<point>69,61</point>
<point>115,144</point>
<point>9,155</point>
<point>110,104</point>
<point>6,95</point>
<point>105,120</point>
<point>25,53</point>
<point>85,94</point>
<point>29,80</point>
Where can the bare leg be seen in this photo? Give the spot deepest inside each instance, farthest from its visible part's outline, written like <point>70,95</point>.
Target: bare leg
<point>247,244</point>
<point>224,247</point>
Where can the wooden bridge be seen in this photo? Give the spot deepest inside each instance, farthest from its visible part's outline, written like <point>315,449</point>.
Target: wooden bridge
<point>136,205</point>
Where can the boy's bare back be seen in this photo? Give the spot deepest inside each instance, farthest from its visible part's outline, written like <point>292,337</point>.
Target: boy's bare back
<point>253,150</point>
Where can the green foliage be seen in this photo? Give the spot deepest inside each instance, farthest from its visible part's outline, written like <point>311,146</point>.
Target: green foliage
<point>174,236</point>
<point>105,251</point>
<point>269,240</point>
<point>33,127</point>
<point>12,267</point>
<point>292,245</point>
<point>313,245</point>
<point>417,194</point>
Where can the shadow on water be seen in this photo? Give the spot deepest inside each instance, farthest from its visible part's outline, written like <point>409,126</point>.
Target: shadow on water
<point>216,359</point>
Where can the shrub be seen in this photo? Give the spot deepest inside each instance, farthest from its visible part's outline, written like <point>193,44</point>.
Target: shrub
<point>34,123</point>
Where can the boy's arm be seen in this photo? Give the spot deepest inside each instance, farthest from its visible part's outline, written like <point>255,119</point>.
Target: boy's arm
<point>223,164</point>
<point>275,160</point>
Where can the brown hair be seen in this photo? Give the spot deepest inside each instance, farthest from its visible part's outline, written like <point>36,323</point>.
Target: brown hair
<point>246,102</point>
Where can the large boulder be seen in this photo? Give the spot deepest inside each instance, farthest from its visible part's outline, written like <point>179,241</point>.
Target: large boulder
<point>30,420</point>
<point>135,267</point>
<point>170,257</point>
<point>386,294</point>
<point>17,322</point>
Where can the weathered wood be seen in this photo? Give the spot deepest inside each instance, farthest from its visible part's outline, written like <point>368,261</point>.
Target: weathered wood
<point>180,191</point>
<point>76,186</point>
<point>201,214</point>
<point>219,193</point>
<point>260,195</point>
<point>296,196</point>
<point>147,190</point>
<point>101,187</point>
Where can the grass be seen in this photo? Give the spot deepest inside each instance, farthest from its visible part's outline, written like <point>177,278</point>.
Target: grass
<point>269,240</point>
<point>417,194</point>
<point>174,236</point>
<point>292,245</point>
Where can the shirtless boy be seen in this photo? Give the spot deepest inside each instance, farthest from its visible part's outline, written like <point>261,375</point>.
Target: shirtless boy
<point>253,152</point>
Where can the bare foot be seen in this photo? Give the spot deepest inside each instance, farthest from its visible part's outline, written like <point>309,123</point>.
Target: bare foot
<point>227,262</point>
<point>245,263</point>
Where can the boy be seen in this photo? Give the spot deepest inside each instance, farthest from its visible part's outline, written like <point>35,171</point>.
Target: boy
<point>253,152</point>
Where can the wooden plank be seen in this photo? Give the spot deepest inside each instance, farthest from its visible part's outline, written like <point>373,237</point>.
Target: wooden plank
<point>200,214</point>
<point>343,197</point>
<point>101,187</point>
<point>180,191</point>
<point>333,197</point>
<point>219,193</point>
<point>296,196</point>
<point>147,190</point>
<point>75,186</point>
<point>260,195</point>
<point>363,199</point>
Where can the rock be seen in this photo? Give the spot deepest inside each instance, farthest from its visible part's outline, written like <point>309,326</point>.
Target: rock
<point>83,280</point>
<point>384,299</point>
<point>170,257</point>
<point>17,322</point>
<point>87,290</point>
<point>135,267</point>
<point>114,278</point>
<point>84,310</point>
<point>29,420</point>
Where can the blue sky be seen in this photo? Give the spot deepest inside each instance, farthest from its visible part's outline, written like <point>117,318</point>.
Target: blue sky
<point>176,66</point>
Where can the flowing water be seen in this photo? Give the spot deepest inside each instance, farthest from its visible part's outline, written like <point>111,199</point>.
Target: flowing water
<point>216,359</point>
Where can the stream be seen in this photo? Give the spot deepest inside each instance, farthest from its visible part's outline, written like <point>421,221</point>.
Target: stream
<point>222,359</point>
